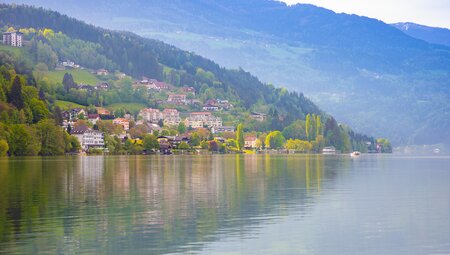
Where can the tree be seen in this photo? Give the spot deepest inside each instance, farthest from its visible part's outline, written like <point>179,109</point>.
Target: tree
<point>109,128</point>
<point>68,82</point>
<point>195,139</point>
<point>52,138</point>
<point>258,144</point>
<point>298,145</point>
<point>213,145</point>
<point>240,142</point>
<point>308,126</point>
<point>72,144</point>
<point>231,143</point>
<point>183,146</point>
<point>23,141</point>
<point>385,145</point>
<point>120,112</point>
<point>295,131</point>
<point>203,133</point>
<point>319,143</point>
<point>45,54</point>
<point>150,143</point>
<point>274,140</point>
<point>39,110</point>
<point>4,147</point>
<point>40,70</point>
<point>181,128</point>
<point>57,115</point>
<point>139,131</point>
<point>204,144</point>
<point>15,95</point>
<point>319,129</point>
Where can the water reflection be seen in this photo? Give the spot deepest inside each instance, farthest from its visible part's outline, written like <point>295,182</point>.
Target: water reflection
<point>180,204</point>
<point>156,204</point>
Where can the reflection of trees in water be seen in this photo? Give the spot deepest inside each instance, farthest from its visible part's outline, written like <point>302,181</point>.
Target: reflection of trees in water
<point>158,203</point>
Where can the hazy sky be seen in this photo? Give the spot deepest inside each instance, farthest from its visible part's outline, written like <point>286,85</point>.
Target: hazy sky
<point>426,12</point>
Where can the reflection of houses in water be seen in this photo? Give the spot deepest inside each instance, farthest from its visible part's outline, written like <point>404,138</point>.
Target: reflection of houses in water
<point>91,174</point>
<point>169,200</point>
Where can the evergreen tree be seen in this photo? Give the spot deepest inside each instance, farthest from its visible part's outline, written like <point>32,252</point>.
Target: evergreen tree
<point>41,94</point>
<point>15,95</point>
<point>68,82</point>
<point>57,115</point>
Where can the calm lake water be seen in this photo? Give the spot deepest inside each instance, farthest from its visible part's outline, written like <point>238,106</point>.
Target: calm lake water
<point>232,204</point>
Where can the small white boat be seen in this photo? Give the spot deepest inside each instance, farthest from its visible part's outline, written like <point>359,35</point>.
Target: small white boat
<point>355,154</point>
<point>329,150</point>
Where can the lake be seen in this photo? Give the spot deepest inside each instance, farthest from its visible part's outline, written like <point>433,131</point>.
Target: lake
<point>225,204</point>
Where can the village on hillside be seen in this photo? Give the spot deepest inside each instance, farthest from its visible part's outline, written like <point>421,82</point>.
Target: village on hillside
<point>110,112</point>
<point>170,126</point>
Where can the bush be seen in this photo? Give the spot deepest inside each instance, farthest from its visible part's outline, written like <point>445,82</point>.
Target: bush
<point>4,147</point>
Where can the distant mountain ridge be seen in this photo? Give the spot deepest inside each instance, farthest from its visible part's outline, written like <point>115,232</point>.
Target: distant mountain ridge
<point>363,71</point>
<point>434,35</point>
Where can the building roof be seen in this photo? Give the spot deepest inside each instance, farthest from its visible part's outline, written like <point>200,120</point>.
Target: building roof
<point>121,120</point>
<point>93,116</point>
<point>170,111</point>
<point>13,32</point>
<point>177,95</point>
<point>251,138</point>
<point>151,110</point>
<point>78,130</point>
<point>200,113</point>
<point>225,127</point>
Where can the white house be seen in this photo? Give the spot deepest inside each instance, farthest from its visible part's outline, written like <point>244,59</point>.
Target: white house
<point>123,122</point>
<point>223,129</point>
<point>151,115</point>
<point>250,142</point>
<point>13,38</point>
<point>171,117</point>
<point>88,138</point>
<point>201,119</point>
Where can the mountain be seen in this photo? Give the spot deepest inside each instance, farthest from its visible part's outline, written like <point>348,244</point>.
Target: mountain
<point>138,57</point>
<point>429,34</point>
<point>50,37</point>
<point>363,71</point>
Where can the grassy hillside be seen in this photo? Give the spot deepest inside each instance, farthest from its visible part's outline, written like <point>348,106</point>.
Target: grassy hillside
<point>13,50</point>
<point>79,76</point>
<point>133,108</point>
<point>66,105</point>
